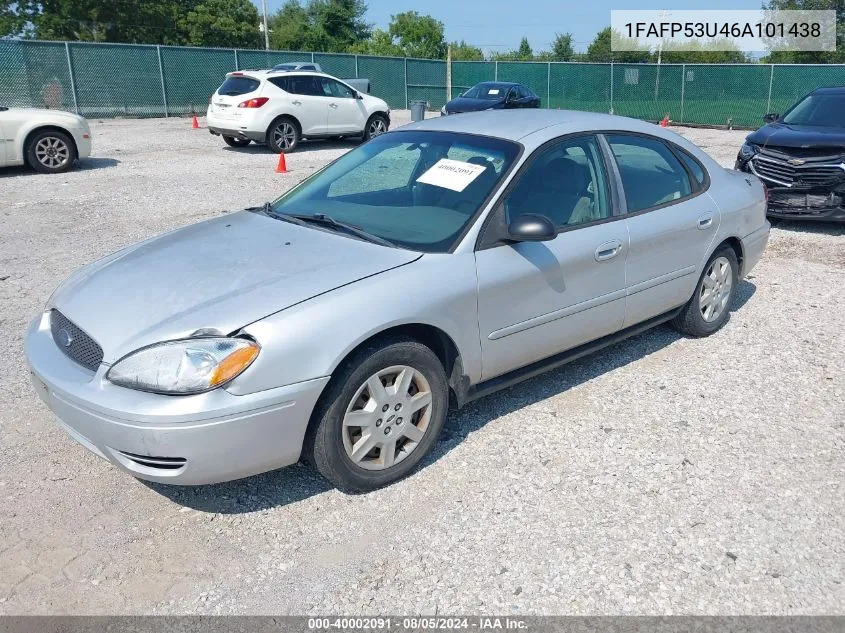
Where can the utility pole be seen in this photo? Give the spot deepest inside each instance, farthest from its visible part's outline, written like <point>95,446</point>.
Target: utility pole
<point>449,72</point>
<point>266,31</point>
<point>663,15</point>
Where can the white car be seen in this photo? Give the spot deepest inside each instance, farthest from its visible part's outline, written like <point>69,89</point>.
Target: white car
<point>49,141</point>
<point>281,108</point>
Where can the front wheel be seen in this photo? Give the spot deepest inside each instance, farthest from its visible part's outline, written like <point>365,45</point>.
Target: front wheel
<point>380,415</point>
<point>233,141</point>
<point>376,125</point>
<point>50,152</point>
<point>283,135</point>
<point>708,309</point>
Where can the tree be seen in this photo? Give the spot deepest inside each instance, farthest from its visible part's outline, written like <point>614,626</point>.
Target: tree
<point>463,52</point>
<point>132,21</point>
<point>525,53</point>
<point>418,35</point>
<point>562,50</point>
<point>600,50</point>
<point>696,52</point>
<point>223,23</point>
<point>12,18</point>
<point>380,43</point>
<point>811,57</point>
<point>336,25</point>
<point>289,27</point>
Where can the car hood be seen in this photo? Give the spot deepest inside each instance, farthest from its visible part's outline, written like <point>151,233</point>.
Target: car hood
<point>802,136</point>
<point>218,275</point>
<point>45,114</point>
<point>464,104</point>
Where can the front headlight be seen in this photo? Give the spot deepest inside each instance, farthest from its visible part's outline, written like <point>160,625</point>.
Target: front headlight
<point>747,151</point>
<point>184,367</point>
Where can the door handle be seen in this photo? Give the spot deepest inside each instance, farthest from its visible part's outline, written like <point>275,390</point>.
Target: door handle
<point>705,221</point>
<point>296,102</point>
<point>608,250</point>
<point>333,105</point>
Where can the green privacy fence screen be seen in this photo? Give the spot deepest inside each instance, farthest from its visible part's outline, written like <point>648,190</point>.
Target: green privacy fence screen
<point>103,80</point>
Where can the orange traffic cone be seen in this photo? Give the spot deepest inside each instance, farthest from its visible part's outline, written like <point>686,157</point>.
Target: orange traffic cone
<point>282,167</point>
<point>665,121</point>
<point>195,124</point>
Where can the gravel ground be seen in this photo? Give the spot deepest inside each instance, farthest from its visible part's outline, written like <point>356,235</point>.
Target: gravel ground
<point>664,475</point>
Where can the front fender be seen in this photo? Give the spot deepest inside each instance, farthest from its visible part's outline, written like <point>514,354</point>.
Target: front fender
<point>311,339</point>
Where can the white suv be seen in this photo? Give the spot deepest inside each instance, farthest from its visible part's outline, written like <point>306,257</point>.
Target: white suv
<point>281,108</point>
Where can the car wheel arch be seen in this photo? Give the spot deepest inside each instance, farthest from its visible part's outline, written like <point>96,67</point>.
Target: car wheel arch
<point>284,116</point>
<point>47,128</point>
<point>736,244</point>
<point>433,337</point>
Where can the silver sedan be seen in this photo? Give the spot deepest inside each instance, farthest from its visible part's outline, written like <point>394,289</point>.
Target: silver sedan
<point>430,266</point>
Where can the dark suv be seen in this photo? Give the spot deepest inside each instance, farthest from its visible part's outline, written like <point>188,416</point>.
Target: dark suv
<point>800,156</point>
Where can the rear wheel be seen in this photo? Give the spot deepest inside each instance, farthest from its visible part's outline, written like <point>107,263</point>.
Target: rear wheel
<point>376,125</point>
<point>380,415</point>
<point>283,135</point>
<point>50,152</point>
<point>233,141</point>
<point>709,307</point>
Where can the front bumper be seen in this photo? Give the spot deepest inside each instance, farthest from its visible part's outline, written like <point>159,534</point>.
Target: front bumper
<point>187,440</point>
<point>788,203</point>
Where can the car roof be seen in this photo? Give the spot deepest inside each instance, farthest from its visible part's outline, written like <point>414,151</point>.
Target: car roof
<point>263,73</point>
<point>830,90</point>
<point>515,125</point>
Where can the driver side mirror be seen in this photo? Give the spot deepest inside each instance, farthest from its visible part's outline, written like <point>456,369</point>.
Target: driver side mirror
<point>771,118</point>
<point>531,227</point>
<point>359,96</point>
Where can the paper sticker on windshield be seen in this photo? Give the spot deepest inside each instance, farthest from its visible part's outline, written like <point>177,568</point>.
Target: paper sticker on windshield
<point>493,91</point>
<point>451,174</point>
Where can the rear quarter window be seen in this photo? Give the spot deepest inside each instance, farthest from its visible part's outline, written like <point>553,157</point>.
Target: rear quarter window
<point>235,86</point>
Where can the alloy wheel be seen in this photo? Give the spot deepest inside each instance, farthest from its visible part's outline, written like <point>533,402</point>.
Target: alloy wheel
<point>284,135</point>
<point>377,126</point>
<point>715,289</point>
<point>52,152</point>
<point>387,417</point>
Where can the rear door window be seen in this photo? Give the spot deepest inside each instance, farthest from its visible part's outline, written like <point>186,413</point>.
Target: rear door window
<point>305,85</point>
<point>238,85</point>
<point>651,175</point>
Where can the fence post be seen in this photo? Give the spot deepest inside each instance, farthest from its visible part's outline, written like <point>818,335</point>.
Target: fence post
<point>356,67</point>
<point>496,71</point>
<point>312,57</point>
<point>161,74</point>
<point>683,86</point>
<point>237,62</point>
<point>771,80</point>
<point>72,80</point>
<point>406,83</point>
<point>611,87</point>
<point>549,85</point>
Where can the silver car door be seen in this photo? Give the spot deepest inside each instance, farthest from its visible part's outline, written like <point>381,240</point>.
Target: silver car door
<point>536,299</point>
<point>671,221</point>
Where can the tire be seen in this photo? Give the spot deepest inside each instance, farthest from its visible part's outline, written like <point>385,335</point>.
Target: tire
<point>376,125</point>
<point>50,152</point>
<point>709,307</point>
<point>233,141</point>
<point>355,458</point>
<point>283,135</point>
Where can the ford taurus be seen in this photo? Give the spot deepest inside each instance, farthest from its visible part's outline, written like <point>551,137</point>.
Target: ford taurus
<point>428,267</point>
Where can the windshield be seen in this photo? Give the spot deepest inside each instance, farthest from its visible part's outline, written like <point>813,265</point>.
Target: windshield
<point>415,189</point>
<point>493,92</point>
<point>823,110</point>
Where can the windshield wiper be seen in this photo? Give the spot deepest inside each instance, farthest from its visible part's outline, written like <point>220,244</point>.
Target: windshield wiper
<point>267,209</point>
<point>327,220</point>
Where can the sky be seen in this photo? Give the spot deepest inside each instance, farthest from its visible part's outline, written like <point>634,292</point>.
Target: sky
<point>499,25</point>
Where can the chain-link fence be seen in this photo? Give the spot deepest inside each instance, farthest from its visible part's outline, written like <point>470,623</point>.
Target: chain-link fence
<point>102,80</point>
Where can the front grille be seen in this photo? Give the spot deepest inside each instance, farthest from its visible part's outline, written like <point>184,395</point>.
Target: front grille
<point>159,463</point>
<point>817,172</point>
<point>75,343</point>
